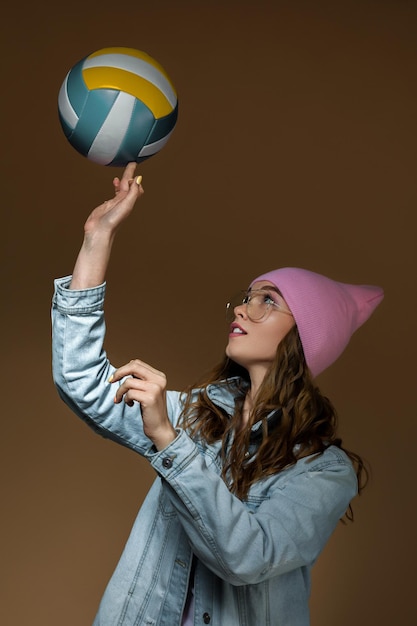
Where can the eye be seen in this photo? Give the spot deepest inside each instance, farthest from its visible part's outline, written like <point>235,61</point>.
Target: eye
<point>268,299</point>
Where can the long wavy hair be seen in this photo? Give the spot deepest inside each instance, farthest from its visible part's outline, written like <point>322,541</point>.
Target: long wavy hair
<point>304,422</point>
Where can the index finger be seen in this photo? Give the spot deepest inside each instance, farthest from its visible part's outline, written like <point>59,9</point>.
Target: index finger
<point>137,369</point>
<point>128,174</point>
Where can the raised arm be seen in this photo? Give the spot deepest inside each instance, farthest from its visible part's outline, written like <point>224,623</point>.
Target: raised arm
<point>100,229</point>
<point>80,365</point>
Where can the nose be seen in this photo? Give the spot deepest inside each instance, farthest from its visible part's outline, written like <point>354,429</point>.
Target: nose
<point>241,310</point>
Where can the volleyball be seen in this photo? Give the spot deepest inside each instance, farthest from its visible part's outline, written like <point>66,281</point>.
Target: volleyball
<point>117,105</point>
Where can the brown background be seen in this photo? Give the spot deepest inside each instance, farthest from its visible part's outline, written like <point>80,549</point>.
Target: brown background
<point>296,145</point>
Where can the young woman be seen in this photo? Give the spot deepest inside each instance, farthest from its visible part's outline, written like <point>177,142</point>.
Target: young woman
<point>252,479</point>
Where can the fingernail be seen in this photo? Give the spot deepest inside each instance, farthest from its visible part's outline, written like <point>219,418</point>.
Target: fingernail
<point>110,379</point>
<point>138,180</point>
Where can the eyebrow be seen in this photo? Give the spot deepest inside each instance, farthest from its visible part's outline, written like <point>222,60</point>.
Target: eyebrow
<point>267,288</point>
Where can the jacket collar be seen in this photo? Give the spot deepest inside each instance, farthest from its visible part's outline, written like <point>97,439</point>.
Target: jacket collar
<point>224,394</point>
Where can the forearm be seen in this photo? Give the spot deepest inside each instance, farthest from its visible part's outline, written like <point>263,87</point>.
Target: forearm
<point>100,229</point>
<point>92,261</point>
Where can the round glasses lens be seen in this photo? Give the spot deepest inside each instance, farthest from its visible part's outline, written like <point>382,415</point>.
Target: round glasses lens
<point>256,305</point>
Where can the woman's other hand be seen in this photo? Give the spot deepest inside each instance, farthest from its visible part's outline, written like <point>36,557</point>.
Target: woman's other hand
<point>146,385</point>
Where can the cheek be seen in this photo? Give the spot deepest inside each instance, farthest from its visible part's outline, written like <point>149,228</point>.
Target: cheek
<point>266,346</point>
<point>277,334</point>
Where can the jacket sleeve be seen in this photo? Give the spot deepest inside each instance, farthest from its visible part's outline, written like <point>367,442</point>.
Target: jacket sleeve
<point>81,368</point>
<point>294,515</point>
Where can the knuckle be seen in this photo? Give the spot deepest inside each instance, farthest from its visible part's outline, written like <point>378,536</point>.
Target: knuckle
<point>156,387</point>
<point>162,379</point>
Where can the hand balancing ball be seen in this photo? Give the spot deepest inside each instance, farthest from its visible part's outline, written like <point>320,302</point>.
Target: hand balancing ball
<point>117,105</point>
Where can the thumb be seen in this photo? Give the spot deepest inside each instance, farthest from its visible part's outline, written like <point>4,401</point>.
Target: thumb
<point>132,189</point>
<point>135,186</point>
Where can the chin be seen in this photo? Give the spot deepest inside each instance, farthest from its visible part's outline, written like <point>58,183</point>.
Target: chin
<point>234,357</point>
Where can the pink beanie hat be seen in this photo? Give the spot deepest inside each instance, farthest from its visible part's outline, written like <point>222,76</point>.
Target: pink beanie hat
<point>326,312</point>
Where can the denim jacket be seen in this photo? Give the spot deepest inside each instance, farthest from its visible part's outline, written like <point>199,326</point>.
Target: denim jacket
<point>252,558</point>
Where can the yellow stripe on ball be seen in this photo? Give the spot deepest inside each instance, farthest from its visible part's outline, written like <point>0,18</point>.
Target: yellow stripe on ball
<point>120,80</point>
<point>132,52</point>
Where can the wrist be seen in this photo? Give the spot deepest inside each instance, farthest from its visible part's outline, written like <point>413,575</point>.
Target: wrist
<point>163,438</point>
<point>95,240</point>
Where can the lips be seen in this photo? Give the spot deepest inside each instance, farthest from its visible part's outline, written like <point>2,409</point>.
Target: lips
<point>237,330</point>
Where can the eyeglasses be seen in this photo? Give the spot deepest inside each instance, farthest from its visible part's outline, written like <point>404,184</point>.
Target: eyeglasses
<point>259,304</point>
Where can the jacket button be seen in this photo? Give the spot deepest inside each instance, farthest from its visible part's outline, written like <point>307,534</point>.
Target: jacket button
<point>206,618</point>
<point>167,462</point>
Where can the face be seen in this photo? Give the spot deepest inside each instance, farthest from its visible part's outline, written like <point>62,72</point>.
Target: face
<point>253,344</point>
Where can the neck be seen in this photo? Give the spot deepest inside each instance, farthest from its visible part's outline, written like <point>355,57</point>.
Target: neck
<point>256,375</point>
<point>249,402</point>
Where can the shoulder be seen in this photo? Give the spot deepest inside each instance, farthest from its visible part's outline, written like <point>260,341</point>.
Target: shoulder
<point>332,457</point>
<point>332,468</point>
<point>331,471</point>
<point>332,461</point>
<point>323,485</point>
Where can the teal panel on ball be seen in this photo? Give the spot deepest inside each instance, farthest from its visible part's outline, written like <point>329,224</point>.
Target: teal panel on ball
<point>65,127</point>
<point>136,135</point>
<point>77,89</point>
<point>163,126</point>
<point>96,109</point>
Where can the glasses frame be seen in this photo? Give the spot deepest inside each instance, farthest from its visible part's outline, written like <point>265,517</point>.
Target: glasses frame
<point>246,295</point>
